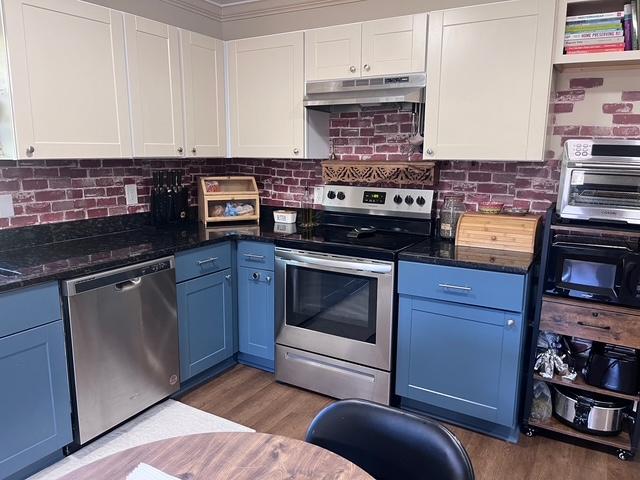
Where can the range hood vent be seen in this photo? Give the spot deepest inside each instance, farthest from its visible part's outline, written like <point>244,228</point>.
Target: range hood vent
<point>366,91</point>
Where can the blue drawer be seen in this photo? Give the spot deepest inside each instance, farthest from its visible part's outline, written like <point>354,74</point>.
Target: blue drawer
<point>29,307</point>
<point>502,291</point>
<point>201,261</point>
<point>256,255</point>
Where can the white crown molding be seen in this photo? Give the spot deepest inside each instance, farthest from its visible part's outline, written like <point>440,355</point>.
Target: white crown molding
<point>233,2</point>
<point>243,9</point>
<point>199,7</point>
<point>275,7</point>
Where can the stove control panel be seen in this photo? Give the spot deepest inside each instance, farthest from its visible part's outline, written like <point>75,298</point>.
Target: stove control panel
<point>379,201</point>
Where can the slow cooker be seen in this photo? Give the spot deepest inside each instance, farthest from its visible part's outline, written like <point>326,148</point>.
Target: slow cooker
<point>590,413</point>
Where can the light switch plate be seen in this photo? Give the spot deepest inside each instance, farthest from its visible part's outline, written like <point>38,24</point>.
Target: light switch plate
<point>318,194</point>
<point>131,192</point>
<point>6,206</point>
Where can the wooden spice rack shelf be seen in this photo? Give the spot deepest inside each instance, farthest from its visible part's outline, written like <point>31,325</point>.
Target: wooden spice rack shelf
<point>621,441</point>
<point>402,173</point>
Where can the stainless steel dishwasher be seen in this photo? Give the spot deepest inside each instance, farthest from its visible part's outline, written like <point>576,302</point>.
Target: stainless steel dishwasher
<point>124,343</point>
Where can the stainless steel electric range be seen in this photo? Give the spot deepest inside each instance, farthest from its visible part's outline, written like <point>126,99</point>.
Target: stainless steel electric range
<point>335,289</point>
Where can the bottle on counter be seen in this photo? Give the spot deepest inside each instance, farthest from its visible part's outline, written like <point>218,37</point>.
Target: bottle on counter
<point>182,200</point>
<point>308,217</point>
<point>450,213</point>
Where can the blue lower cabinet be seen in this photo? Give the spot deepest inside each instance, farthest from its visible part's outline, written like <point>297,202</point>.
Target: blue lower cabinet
<point>461,358</point>
<point>256,317</point>
<point>35,412</point>
<point>205,317</point>
<point>461,334</point>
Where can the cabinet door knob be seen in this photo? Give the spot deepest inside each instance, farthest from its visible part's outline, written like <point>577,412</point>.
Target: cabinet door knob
<point>180,150</point>
<point>296,151</point>
<point>366,67</point>
<point>430,151</point>
<point>194,150</point>
<point>228,277</point>
<point>268,279</point>
<point>30,150</point>
<point>511,323</point>
<point>256,276</point>
<point>352,69</point>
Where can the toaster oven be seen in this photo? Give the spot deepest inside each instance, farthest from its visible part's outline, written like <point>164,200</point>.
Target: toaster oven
<point>600,181</point>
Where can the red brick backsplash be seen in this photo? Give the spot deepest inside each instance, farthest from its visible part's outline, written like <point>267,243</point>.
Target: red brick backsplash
<point>282,182</point>
<point>373,134</point>
<point>606,105</point>
<point>582,107</point>
<point>53,191</point>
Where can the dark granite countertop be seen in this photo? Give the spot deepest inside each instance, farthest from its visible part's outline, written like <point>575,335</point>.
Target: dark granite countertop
<point>72,258</point>
<point>64,251</point>
<point>444,252</point>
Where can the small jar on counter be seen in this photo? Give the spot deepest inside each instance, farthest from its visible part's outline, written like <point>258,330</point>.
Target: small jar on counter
<point>450,213</point>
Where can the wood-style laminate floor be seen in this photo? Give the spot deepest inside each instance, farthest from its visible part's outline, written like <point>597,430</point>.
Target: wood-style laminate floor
<point>253,398</point>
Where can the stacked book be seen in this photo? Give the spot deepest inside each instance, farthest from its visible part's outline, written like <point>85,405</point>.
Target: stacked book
<point>603,32</point>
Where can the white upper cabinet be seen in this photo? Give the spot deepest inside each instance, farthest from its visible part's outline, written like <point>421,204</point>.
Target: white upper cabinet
<point>380,47</point>
<point>68,79</point>
<point>394,45</point>
<point>266,80</point>
<point>204,95</point>
<point>333,52</point>
<point>488,81</point>
<point>153,57</point>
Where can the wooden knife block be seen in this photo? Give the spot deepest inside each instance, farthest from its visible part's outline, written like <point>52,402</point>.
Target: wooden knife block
<point>500,232</point>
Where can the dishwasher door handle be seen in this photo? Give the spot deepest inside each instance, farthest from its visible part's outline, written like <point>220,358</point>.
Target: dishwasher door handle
<point>128,285</point>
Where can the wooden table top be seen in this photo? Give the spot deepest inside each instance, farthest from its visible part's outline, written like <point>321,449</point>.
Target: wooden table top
<point>236,456</point>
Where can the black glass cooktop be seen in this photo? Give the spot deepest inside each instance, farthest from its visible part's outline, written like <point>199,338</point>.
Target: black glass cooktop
<point>362,237</point>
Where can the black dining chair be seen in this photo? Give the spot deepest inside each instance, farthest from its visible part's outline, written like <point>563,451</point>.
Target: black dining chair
<point>389,443</point>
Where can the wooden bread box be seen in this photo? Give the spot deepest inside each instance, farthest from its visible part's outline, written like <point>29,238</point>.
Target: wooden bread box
<point>501,232</point>
<point>217,196</point>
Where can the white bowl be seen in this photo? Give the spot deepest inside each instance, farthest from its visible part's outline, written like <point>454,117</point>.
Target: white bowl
<point>285,216</point>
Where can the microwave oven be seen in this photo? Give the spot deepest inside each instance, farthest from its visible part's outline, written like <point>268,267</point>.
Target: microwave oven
<point>594,270</point>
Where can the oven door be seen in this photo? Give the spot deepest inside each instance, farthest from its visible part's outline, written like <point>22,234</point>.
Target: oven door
<point>337,306</point>
<point>611,193</point>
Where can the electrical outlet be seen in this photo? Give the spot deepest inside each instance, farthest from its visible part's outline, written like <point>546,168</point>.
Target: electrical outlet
<point>6,206</point>
<point>318,195</point>
<point>131,192</point>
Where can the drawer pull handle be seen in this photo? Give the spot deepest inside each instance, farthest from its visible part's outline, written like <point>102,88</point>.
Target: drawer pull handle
<point>207,260</point>
<point>595,314</point>
<point>446,286</point>
<point>599,327</point>
<point>252,256</point>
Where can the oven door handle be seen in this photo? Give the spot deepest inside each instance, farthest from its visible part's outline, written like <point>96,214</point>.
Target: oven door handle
<point>342,264</point>
<point>598,166</point>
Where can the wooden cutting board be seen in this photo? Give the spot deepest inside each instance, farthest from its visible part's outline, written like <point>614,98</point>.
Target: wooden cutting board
<point>502,232</point>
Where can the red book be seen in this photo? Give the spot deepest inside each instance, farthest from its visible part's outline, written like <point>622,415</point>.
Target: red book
<point>611,47</point>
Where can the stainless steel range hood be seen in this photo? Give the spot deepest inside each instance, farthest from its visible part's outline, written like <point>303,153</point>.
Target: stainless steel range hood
<point>366,91</point>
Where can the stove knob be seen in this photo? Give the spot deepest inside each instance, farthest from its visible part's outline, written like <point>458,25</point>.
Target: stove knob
<point>341,196</point>
<point>397,199</point>
<point>408,199</point>
<point>421,201</point>
<point>331,195</point>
